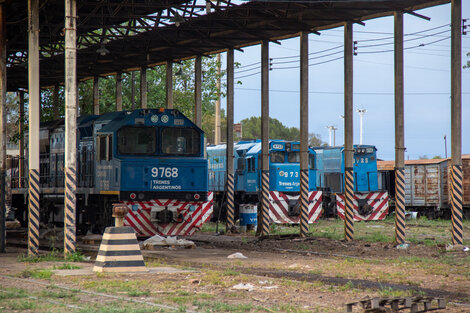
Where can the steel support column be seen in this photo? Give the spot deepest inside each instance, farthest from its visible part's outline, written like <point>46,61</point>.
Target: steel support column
<point>70,125</point>
<point>230,110</point>
<point>55,102</point>
<point>3,129</point>
<point>198,91</point>
<point>399,132</point>
<point>304,134</point>
<point>348,132</point>
<point>21,174</point>
<point>456,120</point>
<point>143,87</point>
<point>34,117</point>
<point>217,104</point>
<point>96,95</point>
<point>169,85</point>
<point>118,91</point>
<point>263,221</point>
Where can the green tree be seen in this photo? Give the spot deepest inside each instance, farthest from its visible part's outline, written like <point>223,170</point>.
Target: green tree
<point>251,128</point>
<point>183,93</point>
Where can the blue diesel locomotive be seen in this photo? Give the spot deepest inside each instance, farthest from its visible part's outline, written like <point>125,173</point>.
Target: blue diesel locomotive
<point>150,159</point>
<point>370,203</point>
<point>284,178</point>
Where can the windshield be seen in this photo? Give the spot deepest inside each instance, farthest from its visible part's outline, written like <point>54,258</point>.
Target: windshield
<point>277,157</point>
<point>293,157</point>
<point>181,141</point>
<point>137,140</point>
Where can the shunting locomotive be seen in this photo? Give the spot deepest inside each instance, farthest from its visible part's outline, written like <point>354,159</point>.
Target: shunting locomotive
<point>284,179</point>
<point>370,203</point>
<point>150,159</point>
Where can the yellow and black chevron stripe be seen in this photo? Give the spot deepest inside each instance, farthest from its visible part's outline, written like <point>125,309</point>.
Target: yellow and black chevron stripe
<point>265,202</point>
<point>33,216</point>
<point>349,214</point>
<point>400,205</point>
<point>303,203</point>
<point>119,252</point>
<point>230,202</point>
<point>457,204</point>
<point>70,207</point>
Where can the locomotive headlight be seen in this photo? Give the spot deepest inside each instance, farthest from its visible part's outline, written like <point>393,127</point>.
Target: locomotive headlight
<point>132,196</point>
<point>141,196</point>
<point>197,196</point>
<point>154,118</point>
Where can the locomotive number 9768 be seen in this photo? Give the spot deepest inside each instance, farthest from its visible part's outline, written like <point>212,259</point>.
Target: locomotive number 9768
<point>165,172</point>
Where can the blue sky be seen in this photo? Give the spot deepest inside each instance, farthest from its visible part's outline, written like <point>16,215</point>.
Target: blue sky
<point>427,83</point>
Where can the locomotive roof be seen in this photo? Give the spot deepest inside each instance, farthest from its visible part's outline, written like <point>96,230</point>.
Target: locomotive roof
<point>123,118</point>
<point>342,147</point>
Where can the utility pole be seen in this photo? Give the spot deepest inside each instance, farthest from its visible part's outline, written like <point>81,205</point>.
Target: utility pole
<point>361,116</point>
<point>445,144</point>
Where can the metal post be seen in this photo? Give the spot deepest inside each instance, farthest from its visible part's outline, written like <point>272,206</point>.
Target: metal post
<point>96,95</point>
<point>34,117</point>
<point>55,102</point>
<point>217,104</point>
<point>118,91</point>
<point>264,216</point>
<point>133,90</point>
<point>348,132</point>
<point>70,125</point>
<point>456,120</point>
<point>304,134</point>
<point>169,85</point>
<point>21,174</point>
<point>400,226</point>
<point>198,91</point>
<point>143,87</point>
<point>230,110</point>
<point>3,128</point>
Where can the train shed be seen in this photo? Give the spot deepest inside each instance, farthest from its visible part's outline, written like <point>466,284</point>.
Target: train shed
<point>109,37</point>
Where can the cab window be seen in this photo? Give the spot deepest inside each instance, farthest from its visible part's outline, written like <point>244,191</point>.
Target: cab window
<point>181,141</point>
<point>311,161</point>
<point>105,148</point>
<point>137,140</point>
<point>293,157</point>
<point>277,157</point>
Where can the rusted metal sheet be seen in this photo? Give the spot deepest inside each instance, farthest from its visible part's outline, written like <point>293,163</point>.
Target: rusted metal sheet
<point>425,184</point>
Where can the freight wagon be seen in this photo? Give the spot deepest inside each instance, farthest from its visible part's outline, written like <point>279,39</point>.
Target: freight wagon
<point>427,185</point>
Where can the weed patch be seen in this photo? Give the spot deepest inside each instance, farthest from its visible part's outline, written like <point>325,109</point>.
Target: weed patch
<point>36,273</point>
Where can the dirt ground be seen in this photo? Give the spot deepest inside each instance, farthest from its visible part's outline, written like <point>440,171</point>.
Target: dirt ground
<point>279,274</point>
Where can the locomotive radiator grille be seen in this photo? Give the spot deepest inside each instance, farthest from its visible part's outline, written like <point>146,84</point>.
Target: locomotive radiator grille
<point>303,203</point>
<point>400,205</point>
<point>457,177</point>
<point>33,216</point>
<point>349,218</point>
<point>265,202</point>
<point>70,205</point>
<point>230,201</point>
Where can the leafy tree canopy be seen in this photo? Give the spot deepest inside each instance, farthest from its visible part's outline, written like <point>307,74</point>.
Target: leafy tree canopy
<point>251,129</point>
